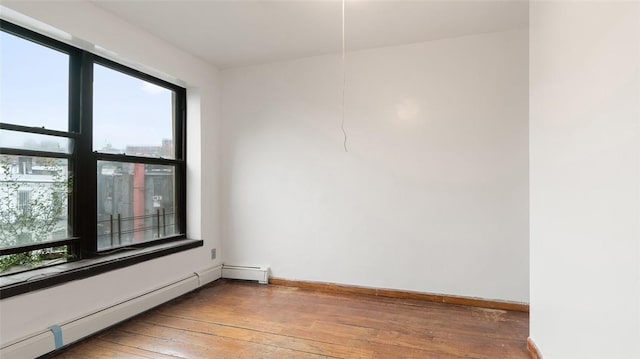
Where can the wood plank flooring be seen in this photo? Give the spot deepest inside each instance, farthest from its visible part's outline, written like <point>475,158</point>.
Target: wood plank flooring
<point>232,319</point>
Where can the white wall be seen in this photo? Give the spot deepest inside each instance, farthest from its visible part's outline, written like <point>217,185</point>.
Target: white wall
<point>89,26</point>
<point>585,179</point>
<point>433,193</point>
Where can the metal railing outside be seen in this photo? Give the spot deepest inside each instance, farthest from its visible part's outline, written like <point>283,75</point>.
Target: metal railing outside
<point>116,227</point>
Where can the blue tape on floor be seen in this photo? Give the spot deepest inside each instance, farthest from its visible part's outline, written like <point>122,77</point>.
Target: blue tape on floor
<point>57,336</point>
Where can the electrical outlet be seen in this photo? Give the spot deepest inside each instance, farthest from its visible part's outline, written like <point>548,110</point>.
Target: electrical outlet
<point>213,253</point>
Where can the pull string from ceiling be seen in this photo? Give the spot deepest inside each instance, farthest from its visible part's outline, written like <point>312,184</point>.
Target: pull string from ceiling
<point>344,82</point>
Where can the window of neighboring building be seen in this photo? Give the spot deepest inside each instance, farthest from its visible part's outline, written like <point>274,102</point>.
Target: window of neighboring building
<point>92,154</point>
<point>24,202</point>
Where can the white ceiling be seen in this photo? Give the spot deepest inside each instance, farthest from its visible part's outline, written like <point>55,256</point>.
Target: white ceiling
<point>233,33</point>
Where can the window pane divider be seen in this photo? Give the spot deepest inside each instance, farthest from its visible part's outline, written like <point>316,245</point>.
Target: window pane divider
<point>116,157</point>
<point>37,130</point>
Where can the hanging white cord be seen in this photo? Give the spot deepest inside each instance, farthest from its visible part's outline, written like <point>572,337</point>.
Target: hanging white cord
<point>344,82</point>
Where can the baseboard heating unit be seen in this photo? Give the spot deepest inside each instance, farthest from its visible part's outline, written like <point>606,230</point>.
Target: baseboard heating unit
<point>260,274</point>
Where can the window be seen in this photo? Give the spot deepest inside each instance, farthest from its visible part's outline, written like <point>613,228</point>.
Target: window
<point>137,168</point>
<point>24,202</point>
<point>92,155</point>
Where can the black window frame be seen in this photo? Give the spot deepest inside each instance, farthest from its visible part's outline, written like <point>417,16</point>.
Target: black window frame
<point>82,160</point>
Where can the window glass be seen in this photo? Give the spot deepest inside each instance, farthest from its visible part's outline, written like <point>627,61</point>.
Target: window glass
<point>131,116</point>
<point>36,142</point>
<point>136,203</point>
<point>34,200</point>
<point>33,74</point>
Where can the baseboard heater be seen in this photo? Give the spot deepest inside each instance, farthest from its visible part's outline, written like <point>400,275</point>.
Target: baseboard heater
<point>62,334</point>
<point>260,274</point>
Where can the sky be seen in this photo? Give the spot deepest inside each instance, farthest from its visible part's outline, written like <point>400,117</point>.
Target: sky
<point>34,92</point>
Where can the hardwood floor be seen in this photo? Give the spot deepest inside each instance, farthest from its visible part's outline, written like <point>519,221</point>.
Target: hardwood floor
<point>231,319</point>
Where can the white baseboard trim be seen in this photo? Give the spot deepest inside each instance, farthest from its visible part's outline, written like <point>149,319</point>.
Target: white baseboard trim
<point>260,274</point>
<point>43,342</point>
